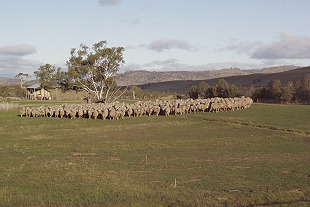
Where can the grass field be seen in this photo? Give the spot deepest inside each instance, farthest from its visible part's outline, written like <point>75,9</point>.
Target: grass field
<point>254,157</point>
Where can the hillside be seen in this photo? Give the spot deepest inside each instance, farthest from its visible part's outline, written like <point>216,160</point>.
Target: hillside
<point>181,81</point>
<point>257,79</point>
<point>145,77</point>
<point>9,81</point>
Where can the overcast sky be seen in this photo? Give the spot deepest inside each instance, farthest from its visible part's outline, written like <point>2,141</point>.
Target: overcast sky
<point>158,35</point>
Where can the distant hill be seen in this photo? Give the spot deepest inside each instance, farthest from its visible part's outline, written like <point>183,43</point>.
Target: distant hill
<point>145,77</point>
<point>9,81</point>
<point>181,81</point>
<point>15,81</point>
<point>256,79</point>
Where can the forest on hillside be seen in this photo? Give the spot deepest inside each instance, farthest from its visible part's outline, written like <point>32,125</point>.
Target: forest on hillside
<point>275,91</point>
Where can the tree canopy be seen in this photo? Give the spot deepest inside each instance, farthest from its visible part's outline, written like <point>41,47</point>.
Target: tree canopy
<point>221,89</point>
<point>90,69</point>
<point>94,70</point>
<point>48,76</point>
<point>23,77</point>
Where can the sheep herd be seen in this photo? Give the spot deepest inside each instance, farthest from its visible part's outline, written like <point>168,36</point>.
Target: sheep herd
<point>119,110</point>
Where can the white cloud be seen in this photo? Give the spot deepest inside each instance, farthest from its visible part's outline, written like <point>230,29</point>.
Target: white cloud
<point>166,44</point>
<point>109,2</point>
<point>17,50</point>
<point>12,60</point>
<point>12,65</point>
<point>289,46</point>
<point>243,47</point>
<point>163,44</point>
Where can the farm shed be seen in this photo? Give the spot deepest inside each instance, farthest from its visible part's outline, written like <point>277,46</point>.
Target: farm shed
<point>36,92</point>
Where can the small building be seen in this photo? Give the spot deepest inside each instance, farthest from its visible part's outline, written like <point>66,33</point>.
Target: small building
<point>36,92</point>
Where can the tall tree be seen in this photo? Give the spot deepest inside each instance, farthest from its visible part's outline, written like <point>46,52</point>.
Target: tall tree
<point>303,88</point>
<point>211,92</point>
<point>94,70</point>
<point>222,88</point>
<point>202,89</point>
<point>234,91</point>
<point>261,94</point>
<point>276,89</point>
<point>23,77</point>
<point>48,76</point>
<point>193,92</point>
<point>287,92</point>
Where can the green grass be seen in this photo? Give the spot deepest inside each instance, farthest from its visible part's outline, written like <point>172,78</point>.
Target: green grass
<point>254,157</point>
<point>279,117</point>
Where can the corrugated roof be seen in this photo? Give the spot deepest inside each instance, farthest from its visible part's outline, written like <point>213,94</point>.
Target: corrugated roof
<point>35,86</point>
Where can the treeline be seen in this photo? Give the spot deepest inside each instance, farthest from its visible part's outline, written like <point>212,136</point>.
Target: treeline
<point>135,92</point>
<point>275,91</point>
<point>222,89</point>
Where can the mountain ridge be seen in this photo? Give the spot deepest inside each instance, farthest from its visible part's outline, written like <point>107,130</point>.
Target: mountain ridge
<point>141,77</point>
<point>255,80</point>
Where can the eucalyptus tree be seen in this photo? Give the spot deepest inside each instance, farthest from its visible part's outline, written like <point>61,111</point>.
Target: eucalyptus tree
<point>193,92</point>
<point>94,70</point>
<point>202,89</point>
<point>276,89</point>
<point>222,88</point>
<point>23,77</point>
<point>48,76</point>
<point>302,89</point>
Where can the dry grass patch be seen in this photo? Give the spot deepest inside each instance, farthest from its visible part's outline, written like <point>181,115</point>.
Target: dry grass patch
<point>5,106</point>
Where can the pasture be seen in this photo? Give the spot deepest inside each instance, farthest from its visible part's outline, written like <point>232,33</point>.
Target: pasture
<point>253,157</point>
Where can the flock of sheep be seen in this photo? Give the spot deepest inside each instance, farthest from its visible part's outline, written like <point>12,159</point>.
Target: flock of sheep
<point>119,110</point>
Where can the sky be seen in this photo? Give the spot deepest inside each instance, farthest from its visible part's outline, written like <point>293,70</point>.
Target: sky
<point>158,35</point>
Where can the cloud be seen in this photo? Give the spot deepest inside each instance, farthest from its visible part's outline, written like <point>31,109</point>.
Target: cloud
<point>17,50</point>
<point>12,60</point>
<point>12,65</point>
<point>109,2</point>
<point>287,47</point>
<point>243,47</point>
<point>163,44</point>
<point>166,44</point>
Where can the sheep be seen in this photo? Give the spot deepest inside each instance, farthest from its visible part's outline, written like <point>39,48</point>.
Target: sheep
<point>95,114</point>
<point>112,113</point>
<point>128,111</point>
<point>149,110</point>
<point>118,110</point>
<point>166,110</point>
<point>80,112</point>
<point>22,112</point>
<point>103,113</point>
<point>156,110</point>
<point>61,113</point>
<point>71,114</point>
